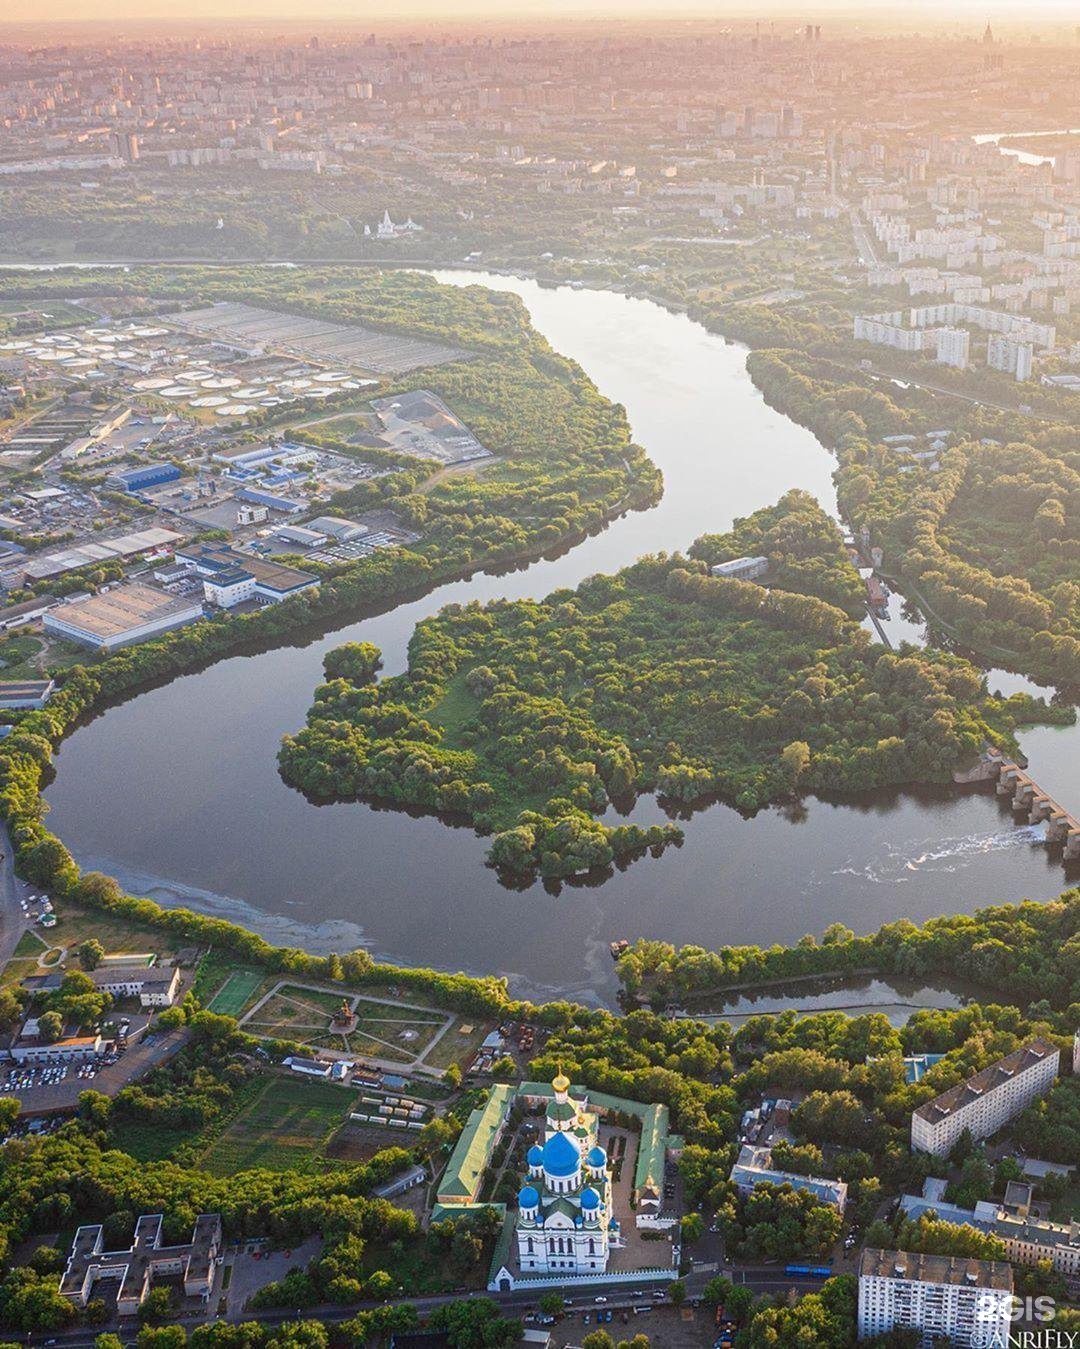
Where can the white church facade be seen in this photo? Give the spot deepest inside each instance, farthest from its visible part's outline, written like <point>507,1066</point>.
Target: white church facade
<point>565,1224</point>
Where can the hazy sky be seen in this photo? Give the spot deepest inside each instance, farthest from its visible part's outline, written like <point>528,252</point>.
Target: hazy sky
<point>1024,13</point>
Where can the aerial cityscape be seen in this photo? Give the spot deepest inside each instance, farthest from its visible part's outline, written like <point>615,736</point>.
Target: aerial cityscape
<point>539,669</point>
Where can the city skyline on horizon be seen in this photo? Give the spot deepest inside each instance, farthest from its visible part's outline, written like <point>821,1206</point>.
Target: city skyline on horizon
<point>886,13</point>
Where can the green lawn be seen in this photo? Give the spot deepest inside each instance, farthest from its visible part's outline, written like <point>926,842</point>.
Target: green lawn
<point>16,970</point>
<point>30,944</point>
<point>297,1014</point>
<point>457,1048</point>
<point>286,1127</point>
<point>149,1142</point>
<point>454,708</point>
<point>115,932</point>
<point>17,654</point>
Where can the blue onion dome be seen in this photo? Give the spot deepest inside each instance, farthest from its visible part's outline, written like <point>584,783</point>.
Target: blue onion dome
<point>589,1199</point>
<point>597,1157</point>
<point>536,1155</point>
<point>561,1157</point>
<point>528,1198</point>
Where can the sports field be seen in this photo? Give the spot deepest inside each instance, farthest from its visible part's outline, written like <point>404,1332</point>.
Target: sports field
<point>235,992</point>
<point>286,1127</point>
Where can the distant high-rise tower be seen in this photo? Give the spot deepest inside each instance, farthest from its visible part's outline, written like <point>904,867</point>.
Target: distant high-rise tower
<point>124,145</point>
<point>988,35</point>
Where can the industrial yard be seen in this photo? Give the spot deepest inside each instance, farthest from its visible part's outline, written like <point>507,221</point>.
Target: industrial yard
<point>127,436</point>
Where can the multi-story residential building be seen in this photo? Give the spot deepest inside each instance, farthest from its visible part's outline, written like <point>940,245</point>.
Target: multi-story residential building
<point>953,345</point>
<point>1009,355</point>
<point>1028,1238</point>
<point>986,1102</point>
<point>942,1297</point>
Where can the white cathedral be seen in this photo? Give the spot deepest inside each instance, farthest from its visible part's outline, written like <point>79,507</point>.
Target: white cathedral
<point>565,1223</point>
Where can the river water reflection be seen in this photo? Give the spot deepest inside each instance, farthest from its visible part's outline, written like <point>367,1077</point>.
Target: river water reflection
<point>177,791</point>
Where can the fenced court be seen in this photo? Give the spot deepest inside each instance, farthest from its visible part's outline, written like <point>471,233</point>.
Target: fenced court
<point>234,993</point>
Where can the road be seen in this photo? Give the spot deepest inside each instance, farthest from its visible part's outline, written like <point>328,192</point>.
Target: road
<point>864,245</point>
<point>906,378</point>
<point>13,921</point>
<point>83,1337</point>
<point>761,1278</point>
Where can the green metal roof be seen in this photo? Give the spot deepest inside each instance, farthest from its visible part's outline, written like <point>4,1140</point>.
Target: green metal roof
<point>465,1169</point>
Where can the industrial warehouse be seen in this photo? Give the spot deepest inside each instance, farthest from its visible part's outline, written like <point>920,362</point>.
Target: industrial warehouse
<point>121,617</point>
<point>258,331</point>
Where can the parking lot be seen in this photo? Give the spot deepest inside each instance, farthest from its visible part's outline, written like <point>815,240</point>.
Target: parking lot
<point>22,1077</point>
<point>685,1328</point>
<point>111,1072</point>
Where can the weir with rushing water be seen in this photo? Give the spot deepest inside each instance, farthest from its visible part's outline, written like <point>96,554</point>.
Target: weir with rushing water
<point>177,792</point>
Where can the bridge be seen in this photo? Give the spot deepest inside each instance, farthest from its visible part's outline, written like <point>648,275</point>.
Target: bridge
<point>1012,780</point>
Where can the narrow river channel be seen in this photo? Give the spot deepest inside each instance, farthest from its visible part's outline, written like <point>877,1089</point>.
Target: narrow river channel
<point>177,792</point>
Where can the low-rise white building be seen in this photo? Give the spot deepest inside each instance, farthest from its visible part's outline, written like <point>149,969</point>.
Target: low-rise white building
<point>153,985</point>
<point>25,693</point>
<point>308,1067</point>
<point>754,1167</point>
<point>742,568</point>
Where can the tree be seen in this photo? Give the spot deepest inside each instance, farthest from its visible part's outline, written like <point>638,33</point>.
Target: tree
<point>9,1113</point>
<point>379,1284</point>
<point>91,954</point>
<point>437,1133</point>
<point>51,1026</point>
<point>551,1304</point>
<point>452,1075</point>
<point>46,1260</point>
<point>716,1291</point>
<point>597,1339</point>
<point>638,1341</point>
<point>677,1293</point>
<point>161,1337</point>
<point>692,1227</point>
<point>739,1301</point>
<point>157,1306</point>
<point>795,759</point>
<point>355,662</point>
<point>10,1007</point>
<point>474,1323</point>
<point>504,1069</point>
